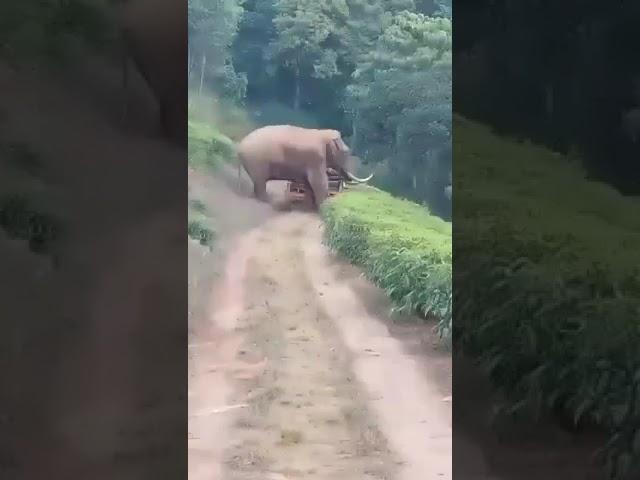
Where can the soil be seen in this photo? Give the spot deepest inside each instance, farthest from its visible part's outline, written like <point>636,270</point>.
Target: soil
<point>298,370</point>
<point>295,371</point>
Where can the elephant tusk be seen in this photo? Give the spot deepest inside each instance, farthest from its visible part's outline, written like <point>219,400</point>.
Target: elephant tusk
<point>356,179</point>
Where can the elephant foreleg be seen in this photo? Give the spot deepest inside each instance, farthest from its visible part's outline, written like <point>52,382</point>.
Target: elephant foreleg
<point>320,185</point>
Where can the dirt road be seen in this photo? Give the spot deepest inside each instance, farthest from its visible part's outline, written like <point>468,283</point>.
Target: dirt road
<point>297,372</point>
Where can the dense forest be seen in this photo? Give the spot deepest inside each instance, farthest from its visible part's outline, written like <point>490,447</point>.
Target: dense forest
<point>378,71</point>
<point>565,74</point>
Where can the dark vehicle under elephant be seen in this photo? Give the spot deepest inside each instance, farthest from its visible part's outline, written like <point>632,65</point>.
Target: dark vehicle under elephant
<point>297,191</point>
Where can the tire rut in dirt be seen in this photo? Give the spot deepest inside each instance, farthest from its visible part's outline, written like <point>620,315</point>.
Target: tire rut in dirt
<point>307,415</point>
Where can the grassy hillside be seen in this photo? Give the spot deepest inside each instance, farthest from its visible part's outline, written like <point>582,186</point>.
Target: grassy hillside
<point>400,246</point>
<point>208,147</point>
<point>550,305</point>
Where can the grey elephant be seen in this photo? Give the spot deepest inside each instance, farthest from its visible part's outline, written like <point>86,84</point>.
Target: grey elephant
<point>286,152</point>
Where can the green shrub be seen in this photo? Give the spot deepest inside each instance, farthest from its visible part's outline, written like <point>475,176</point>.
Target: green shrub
<point>199,230</point>
<point>550,307</point>
<point>399,245</point>
<point>207,146</point>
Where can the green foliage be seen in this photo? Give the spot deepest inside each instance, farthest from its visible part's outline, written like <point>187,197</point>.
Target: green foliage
<point>550,308</point>
<point>199,230</point>
<point>208,146</point>
<point>401,105</point>
<point>303,29</point>
<point>378,69</point>
<point>213,25</point>
<point>401,247</point>
<point>543,78</point>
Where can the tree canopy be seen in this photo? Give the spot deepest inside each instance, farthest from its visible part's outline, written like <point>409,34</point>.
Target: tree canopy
<point>379,71</point>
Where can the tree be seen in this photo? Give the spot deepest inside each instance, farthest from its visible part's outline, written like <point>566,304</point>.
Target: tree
<point>303,27</point>
<point>256,30</point>
<point>213,25</point>
<point>400,102</point>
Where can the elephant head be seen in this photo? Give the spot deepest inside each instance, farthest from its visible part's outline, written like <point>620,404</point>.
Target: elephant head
<point>339,155</point>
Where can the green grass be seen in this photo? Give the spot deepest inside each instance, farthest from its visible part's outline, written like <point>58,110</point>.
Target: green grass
<point>550,299</point>
<point>399,245</point>
<point>208,147</point>
<point>213,126</point>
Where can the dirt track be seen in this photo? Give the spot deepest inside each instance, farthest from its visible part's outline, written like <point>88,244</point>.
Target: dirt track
<point>295,372</point>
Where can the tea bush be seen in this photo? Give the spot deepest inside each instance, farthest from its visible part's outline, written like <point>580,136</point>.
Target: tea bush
<point>399,245</point>
<point>550,306</point>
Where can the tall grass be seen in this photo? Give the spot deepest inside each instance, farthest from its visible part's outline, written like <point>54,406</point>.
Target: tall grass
<point>399,245</point>
<point>549,285</point>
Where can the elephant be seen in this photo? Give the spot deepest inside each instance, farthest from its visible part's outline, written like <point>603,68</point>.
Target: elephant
<point>154,37</point>
<point>287,152</point>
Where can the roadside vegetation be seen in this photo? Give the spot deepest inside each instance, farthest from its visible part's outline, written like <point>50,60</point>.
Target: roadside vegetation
<point>200,227</point>
<point>208,149</point>
<point>400,246</point>
<point>377,71</point>
<point>208,146</point>
<point>550,308</point>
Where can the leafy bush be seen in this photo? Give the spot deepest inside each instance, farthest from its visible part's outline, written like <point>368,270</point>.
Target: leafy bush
<point>199,230</point>
<point>207,146</point>
<point>400,246</point>
<point>550,307</point>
